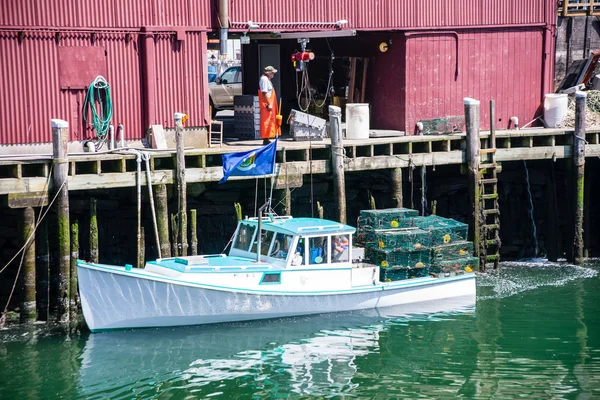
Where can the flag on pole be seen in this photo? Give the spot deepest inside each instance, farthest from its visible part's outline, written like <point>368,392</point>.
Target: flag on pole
<point>257,162</point>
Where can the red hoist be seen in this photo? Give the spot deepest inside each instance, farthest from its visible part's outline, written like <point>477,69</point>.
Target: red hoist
<point>300,58</point>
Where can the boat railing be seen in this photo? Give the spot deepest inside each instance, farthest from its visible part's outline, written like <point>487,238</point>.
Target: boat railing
<point>320,227</point>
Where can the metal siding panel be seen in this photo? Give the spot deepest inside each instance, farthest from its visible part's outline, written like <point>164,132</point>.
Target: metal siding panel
<point>179,72</point>
<point>124,77</point>
<point>499,64</point>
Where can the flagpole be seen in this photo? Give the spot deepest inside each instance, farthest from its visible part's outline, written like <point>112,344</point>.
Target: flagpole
<point>273,174</point>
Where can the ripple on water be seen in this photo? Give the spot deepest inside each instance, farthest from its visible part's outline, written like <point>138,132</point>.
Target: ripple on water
<point>515,277</point>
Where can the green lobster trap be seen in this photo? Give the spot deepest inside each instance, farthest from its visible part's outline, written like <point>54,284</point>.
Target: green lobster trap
<point>455,267</point>
<point>451,251</point>
<point>391,275</point>
<point>388,218</point>
<point>387,259</point>
<point>407,239</point>
<point>443,230</point>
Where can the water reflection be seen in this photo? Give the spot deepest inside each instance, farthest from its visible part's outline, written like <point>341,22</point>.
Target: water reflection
<point>534,333</point>
<point>315,355</point>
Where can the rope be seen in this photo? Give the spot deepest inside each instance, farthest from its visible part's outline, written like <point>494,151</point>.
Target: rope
<point>27,243</point>
<point>99,92</point>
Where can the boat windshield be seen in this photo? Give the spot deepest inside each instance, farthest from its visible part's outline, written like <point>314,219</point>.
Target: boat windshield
<point>281,246</point>
<point>244,237</point>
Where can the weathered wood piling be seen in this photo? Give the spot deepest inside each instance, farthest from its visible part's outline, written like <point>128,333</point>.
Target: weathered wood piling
<point>181,186</point>
<point>194,232</point>
<point>28,301</point>
<point>60,137</point>
<point>578,176</point>
<point>94,255</point>
<point>43,270</point>
<point>473,145</point>
<point>396,178</point>
<point>74,303</point>
<point>337,162</point>
<point>162,219</point>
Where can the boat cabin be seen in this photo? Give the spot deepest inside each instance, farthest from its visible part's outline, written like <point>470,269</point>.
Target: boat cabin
<point>294,242</point>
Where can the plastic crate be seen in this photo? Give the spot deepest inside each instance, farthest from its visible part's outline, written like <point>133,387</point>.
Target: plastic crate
<point>443,230</point>
<point>455,267</point>
<point>398,259</point>
<point>400,240</point>
<point>451,251</point>
<point>388,218</point>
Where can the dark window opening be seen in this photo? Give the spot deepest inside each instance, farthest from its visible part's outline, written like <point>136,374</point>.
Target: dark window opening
<point>271,278</point>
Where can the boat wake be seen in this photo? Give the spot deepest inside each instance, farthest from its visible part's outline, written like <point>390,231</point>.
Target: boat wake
<point>520,276</point>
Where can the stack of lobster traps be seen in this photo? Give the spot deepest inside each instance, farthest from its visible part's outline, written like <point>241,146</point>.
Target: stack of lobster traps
<point>405,245</point>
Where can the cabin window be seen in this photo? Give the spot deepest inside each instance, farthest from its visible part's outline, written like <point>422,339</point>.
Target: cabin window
<point>265,243</point>
<point>281,246</point>
<point>318,250</point>
<point>340,248</point>
<point>298,257</point>
<point>270,278</point>
<point>244,237</point>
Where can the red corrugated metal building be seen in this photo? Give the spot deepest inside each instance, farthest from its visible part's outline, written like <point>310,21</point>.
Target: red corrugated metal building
<point>153,53</point>
<point>439,52</point>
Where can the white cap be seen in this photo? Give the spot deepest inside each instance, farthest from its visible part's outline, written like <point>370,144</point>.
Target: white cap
<point>470,101</point>
<point>580,94</point>
<point>59,123</point>
<point>179,116</point>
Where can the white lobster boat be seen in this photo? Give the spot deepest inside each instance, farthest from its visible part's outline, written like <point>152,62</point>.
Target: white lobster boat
<point>305,266</point>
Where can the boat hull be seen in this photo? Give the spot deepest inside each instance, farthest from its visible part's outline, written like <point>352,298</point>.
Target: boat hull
<point>112,298</point>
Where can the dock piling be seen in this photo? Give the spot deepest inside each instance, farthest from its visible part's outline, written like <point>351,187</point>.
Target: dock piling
<point>74,300</point>
<point>473,156</point>
<point>94,256</point>
<point>579,172</point>
<point>194,232</point>
<point>396,177</point>
<point>60,137</point>
<point>162,219</point>
<point>181,186</point>
<point>337,162</point>
<point>28,302</point>
<point>43,270</point>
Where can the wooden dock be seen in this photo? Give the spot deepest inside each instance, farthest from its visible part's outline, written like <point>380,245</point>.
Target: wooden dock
<point>87,171</point>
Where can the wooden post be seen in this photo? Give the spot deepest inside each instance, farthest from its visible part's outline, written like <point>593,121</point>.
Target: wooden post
<point>74,304</point>
<point>60,138</point>
<point>141,260</point>
<point>194,232</point>
<point>579,174</point>
<point>396,177</point>
<point>473,144</point>
<point>43,270</point>
<point>337,162</point>
<point>181,186</point>
<point>27,276</point>
<point>176,250</point>
<point>94,255</point>
<point>140,234</point>
<point>162,216</point>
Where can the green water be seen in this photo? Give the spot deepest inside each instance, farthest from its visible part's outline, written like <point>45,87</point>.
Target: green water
<point>534,333</point>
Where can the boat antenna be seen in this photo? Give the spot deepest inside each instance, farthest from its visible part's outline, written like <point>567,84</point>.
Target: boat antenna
<point>258,247</point>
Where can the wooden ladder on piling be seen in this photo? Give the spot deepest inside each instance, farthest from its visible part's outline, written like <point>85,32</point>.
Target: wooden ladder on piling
<point>490,211</point>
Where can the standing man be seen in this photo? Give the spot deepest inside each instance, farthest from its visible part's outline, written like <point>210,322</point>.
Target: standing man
<point>267,98</point>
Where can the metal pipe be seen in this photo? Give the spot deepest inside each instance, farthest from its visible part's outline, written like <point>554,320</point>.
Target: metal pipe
<point>258,247</point>
<point>146,158</point>
<point>121,135</point>
<point>111,137</point>
<point>224,19</point>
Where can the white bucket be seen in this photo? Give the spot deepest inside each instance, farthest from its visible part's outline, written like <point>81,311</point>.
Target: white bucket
<point>555,108</point>
<point>357,121</point>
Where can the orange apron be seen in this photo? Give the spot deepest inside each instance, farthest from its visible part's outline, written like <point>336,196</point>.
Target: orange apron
<point>268,119</point>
